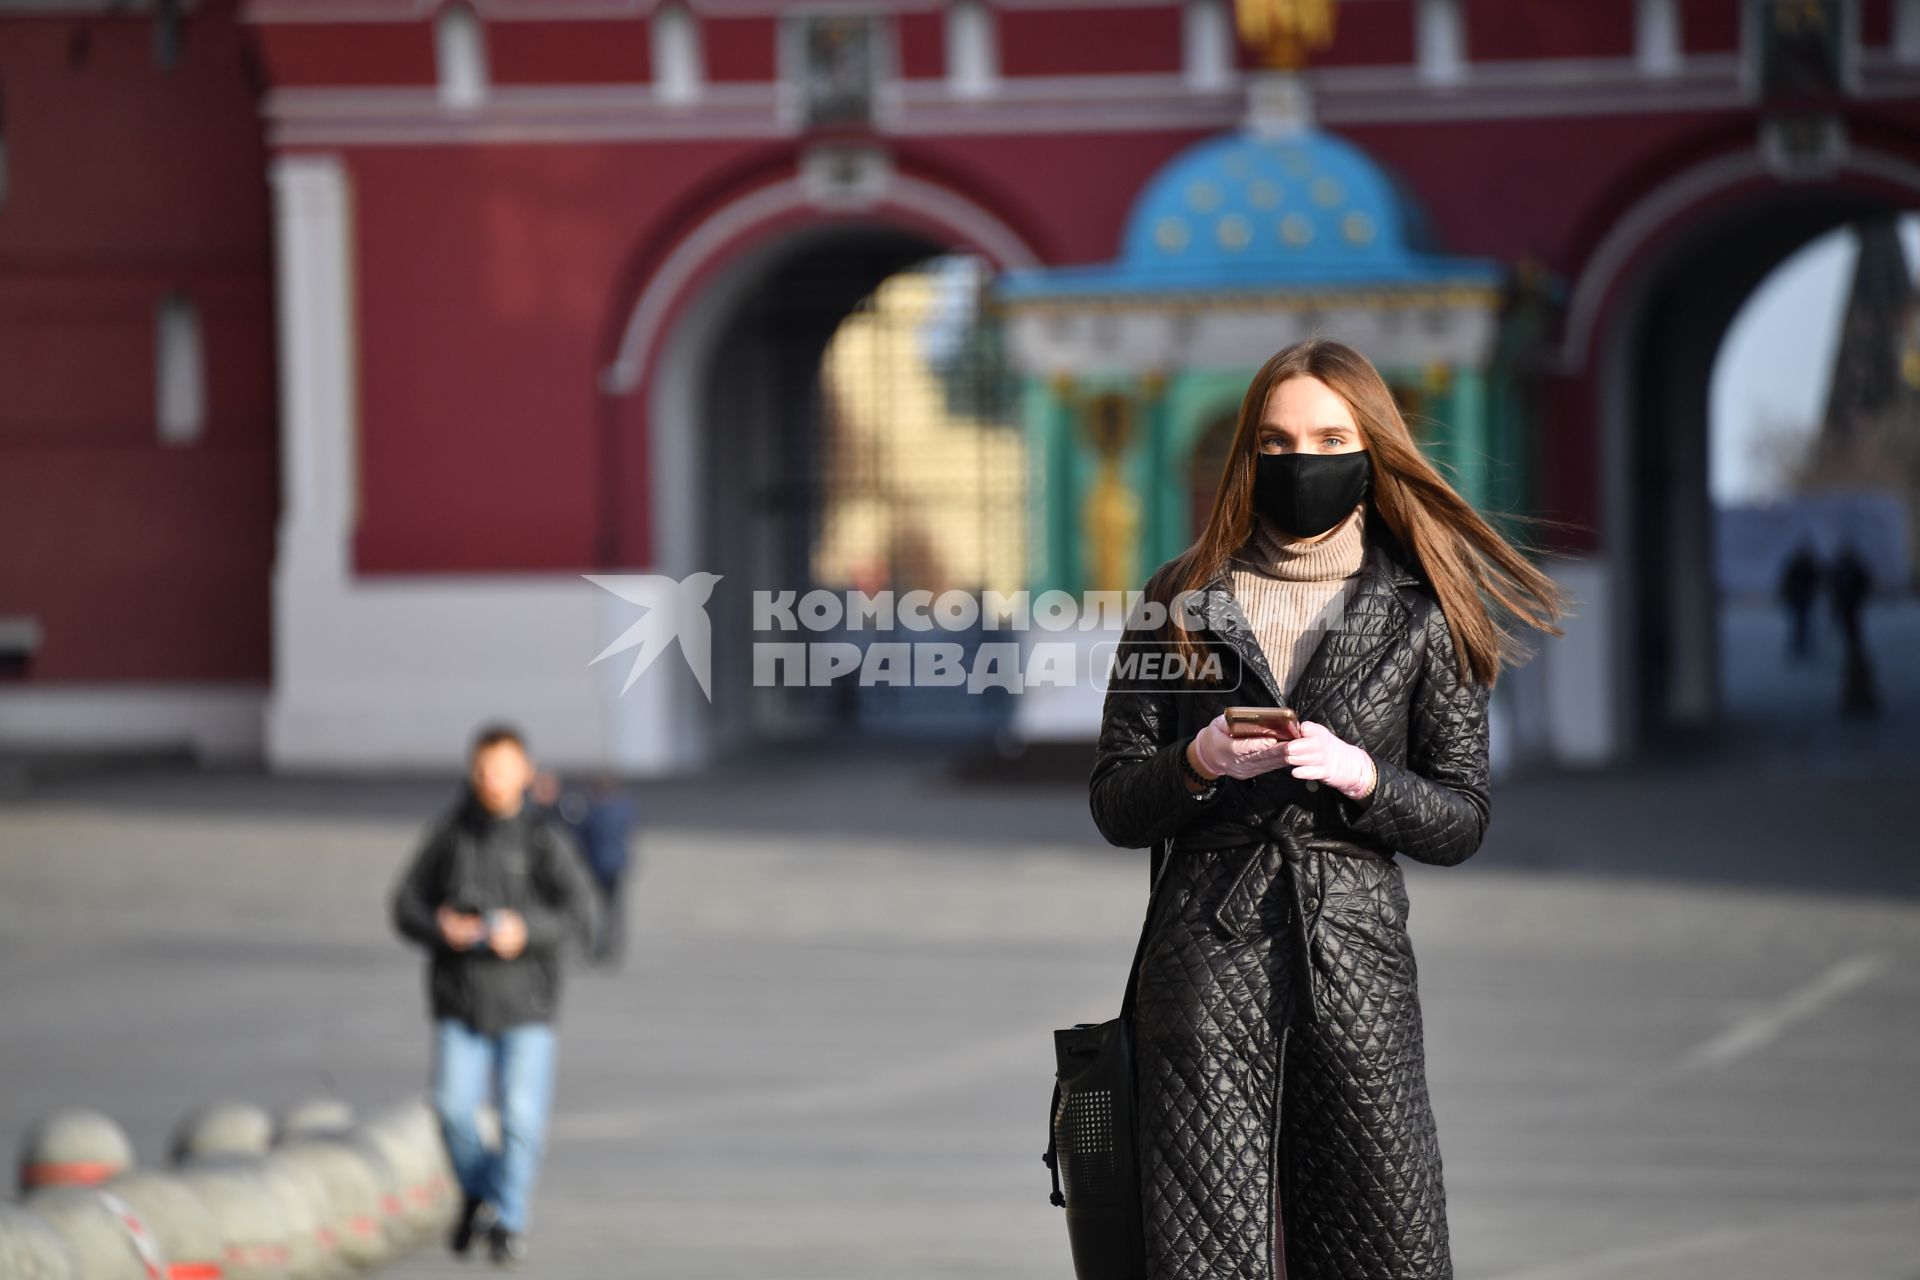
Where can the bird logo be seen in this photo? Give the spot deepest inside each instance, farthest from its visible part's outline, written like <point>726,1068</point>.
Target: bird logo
<point>675,609</point>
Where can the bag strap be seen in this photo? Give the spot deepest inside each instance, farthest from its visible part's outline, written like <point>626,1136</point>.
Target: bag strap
<point>1165,849</point>
<point>1051,1156</point>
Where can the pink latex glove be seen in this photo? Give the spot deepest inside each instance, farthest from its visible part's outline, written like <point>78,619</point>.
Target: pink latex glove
<point>1321,754</point>
<point>1220,752</point>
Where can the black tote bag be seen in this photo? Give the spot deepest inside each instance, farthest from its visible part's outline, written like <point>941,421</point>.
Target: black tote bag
<point>1092,1149</point>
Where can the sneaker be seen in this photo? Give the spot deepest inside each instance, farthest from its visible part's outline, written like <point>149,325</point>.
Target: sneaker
<point>508,1248</point>
<point>476,1216</point>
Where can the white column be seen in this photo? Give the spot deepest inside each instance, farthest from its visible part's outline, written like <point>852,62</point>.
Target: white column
<point>674,43</point>
<point>1206,46</point>
<point>179,370</point>
<point>1440,39</point>
<point>1656,37</point>
<point>313,290</point>
<point>973,59</point>
<point>1906,30</point>
<point>460,52</point>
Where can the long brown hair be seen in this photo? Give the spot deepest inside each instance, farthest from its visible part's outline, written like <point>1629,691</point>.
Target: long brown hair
<point>1470,566</point>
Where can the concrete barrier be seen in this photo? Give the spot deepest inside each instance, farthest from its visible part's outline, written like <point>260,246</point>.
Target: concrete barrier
<point>107,1237</point>
<point>30,1249</point>
<point>302,1201</point>
<point>74,1148</point>
<point>253,1231</point>
<point>185,1227</point>
<point>353,1196</point>
<point>433,1192</point>
<point>314,1118</point>
<point>223,1128</point>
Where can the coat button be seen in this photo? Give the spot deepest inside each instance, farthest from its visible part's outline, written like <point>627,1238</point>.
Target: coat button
<point>1313,903</point>
<point>1313,784</point>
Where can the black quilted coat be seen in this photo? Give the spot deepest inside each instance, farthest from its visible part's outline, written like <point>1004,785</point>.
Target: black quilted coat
<point>1277,1021</point>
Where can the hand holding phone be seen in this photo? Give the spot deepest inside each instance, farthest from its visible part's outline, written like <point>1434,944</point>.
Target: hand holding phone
<point>1218,750</point>
<point>1263,722</point>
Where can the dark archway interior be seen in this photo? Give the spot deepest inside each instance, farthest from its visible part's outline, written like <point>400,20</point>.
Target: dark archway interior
<point>761,434</point>
<point>1693,292</point>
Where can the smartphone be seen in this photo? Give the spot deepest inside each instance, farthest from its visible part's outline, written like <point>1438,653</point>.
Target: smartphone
<point>1262,722</point>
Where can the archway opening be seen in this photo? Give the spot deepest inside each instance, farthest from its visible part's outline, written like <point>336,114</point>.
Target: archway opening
<point>1691,556</point>
<point>856,433</point>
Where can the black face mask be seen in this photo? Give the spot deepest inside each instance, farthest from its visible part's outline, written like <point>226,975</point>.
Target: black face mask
<point>1307,494</point>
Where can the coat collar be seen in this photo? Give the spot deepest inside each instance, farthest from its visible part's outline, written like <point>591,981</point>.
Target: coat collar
<point>1374,618</point>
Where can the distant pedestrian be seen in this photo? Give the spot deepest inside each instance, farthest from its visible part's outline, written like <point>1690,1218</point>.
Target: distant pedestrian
<point>1799,587</point>
<point>602,819</point>
<point>1849,584</point>
<point>493,896</point>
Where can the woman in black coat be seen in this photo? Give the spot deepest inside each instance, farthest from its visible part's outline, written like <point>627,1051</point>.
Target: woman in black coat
<point>1279,1059</point>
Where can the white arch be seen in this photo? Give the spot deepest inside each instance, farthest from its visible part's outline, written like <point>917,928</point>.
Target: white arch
<point>1655,211</point>
<point>968,220</point>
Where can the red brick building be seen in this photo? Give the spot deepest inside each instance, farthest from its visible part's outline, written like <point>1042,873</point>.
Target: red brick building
<point>485,273</point>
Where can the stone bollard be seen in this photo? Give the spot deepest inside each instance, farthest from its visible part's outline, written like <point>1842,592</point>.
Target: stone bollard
<point>253,1231</point>
<point>108,1239</point>
<point>314,1118</point>
<point>74,1148</point>
<point>188,1234</point>
<point>304,1181</point>
<point>394,1225</point>
<point>298,1199</point>
<point>435,1194</point>
<point>402,1141</point>
<point>224,1128</point>
<point>30,1249</point>
<point>353,1196</point>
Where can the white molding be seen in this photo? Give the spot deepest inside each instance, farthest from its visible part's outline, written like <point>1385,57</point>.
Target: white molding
<point>87,8</point>
<point>216,720</point>
<point>404,115</point>
<point>356,11</point>
<point>968,221</point>
<point>1649,216</point>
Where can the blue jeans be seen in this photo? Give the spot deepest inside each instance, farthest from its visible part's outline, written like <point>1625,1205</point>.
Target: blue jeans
<point>520,1061</point>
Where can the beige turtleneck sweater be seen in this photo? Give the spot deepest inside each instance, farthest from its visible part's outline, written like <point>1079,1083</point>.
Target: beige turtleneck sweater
<point>1294,592</point>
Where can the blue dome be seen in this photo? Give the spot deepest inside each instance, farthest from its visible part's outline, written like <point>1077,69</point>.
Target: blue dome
<point>1256,211</point>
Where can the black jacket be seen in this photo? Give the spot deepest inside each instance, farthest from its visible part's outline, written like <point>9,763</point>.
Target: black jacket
<point>474,861</point>
<point>1277,1020</point>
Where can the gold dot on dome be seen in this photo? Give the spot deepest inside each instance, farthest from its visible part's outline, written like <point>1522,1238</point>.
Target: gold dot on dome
<point>1263,194</point>
<point>1204,196</point>
<point>1234,233</point>
<point>1357,227</point>
<point>1172,234</point>
<point>1295,229</point>
<point>1327,193</point>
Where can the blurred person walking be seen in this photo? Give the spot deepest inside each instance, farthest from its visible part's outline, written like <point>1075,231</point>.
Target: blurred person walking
<point>1798,590</point>
<point>494,896</point>
<point>602,820</point>
<point>1282,1117</point>
<point>1849,584</point>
